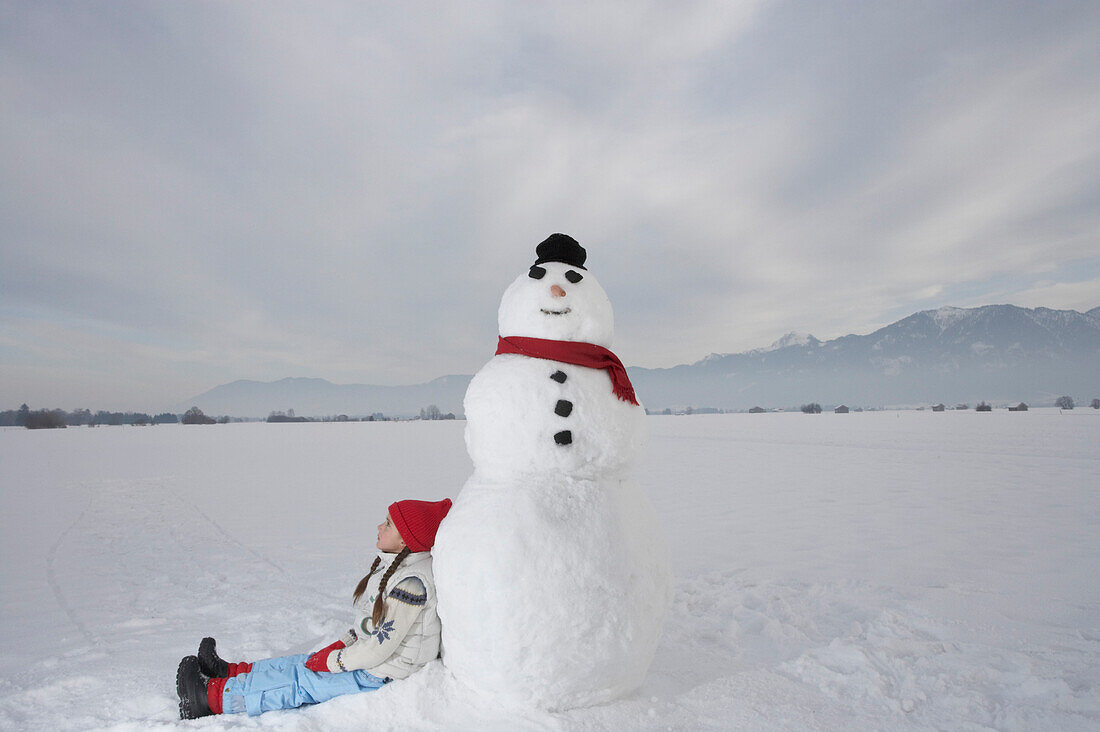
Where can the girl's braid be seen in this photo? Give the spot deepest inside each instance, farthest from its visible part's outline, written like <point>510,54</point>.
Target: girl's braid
<point>379,609</point>
<point>362,586</point>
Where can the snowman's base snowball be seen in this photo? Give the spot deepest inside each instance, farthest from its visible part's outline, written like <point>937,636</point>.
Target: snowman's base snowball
<point>551,592</point>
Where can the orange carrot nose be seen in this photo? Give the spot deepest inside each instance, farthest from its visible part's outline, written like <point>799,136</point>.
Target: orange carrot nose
<point>557,291</point>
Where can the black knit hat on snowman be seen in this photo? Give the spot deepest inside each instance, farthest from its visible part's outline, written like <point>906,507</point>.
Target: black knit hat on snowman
<point>561,248</point>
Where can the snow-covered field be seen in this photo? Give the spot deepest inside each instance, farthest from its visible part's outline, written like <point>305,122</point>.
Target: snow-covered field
<point>865,571</point>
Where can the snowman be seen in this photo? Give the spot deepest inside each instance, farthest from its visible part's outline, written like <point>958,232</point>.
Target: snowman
<point>551,573</point>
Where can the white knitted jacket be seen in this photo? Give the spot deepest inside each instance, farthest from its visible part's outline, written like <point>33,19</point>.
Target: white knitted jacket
<point>408,635</point>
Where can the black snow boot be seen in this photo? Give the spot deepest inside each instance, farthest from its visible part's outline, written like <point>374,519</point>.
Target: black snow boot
<point>191,687</point>
<point>210,663</point>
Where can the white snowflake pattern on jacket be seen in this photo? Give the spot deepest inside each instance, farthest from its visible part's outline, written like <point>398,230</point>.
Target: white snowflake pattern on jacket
<point>408,635</point>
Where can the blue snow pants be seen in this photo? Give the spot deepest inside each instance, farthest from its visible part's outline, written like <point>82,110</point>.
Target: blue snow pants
<point>286,683</point>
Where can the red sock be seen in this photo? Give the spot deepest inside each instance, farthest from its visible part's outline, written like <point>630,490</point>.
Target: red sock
<point>214,689</point>
<point>243,667</point>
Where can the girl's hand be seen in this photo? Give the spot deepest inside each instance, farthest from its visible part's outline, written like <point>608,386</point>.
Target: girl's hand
<point>318,662</point>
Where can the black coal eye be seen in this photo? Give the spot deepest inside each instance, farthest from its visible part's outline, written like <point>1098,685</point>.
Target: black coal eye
<point>574,277</point>
<point>537,273</point>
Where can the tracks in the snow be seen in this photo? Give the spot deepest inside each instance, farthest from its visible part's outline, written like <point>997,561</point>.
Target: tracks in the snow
<point>55,586</point>
<point>139,549</point>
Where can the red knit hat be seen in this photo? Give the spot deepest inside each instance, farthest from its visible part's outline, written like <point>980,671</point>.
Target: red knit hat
<point>417,521</point>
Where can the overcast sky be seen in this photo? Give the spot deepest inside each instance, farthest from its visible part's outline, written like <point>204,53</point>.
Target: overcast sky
<point>192,193</point>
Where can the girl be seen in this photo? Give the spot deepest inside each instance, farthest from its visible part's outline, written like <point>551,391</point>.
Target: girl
<point>396,632</point>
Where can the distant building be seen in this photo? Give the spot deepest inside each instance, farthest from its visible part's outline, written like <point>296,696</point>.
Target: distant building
<point>1021,407</point>
<point>983,407</point>
<point>841,410</point>
<point>756,410</point>
<point>939,408</point>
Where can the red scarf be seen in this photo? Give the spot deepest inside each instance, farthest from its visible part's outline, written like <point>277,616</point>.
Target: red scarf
<point>574,352</point>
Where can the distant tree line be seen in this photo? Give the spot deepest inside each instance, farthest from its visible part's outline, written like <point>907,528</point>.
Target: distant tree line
<point>59,418</point>
<point>1064,402</point>
<point>278,417</point>
<point>432,412</point>
<point>44,419</point>
<point>194,415</point>
<point>287,416</point>
<point>667,411</point>
<point>56,418</point>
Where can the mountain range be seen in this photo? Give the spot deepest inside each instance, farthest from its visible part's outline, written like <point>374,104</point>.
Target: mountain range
<point>996,353</point>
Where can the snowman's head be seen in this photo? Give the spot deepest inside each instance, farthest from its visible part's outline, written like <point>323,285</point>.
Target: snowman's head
<point>557,299</point>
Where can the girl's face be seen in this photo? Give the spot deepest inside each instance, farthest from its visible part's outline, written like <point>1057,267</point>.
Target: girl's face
<point>389,540</point>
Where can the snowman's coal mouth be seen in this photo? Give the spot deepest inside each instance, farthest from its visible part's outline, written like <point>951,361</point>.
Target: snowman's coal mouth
<point>556,312</point>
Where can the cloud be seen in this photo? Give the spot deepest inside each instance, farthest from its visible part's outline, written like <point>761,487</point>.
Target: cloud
<point>272,191</point>
<point>1080,296</point>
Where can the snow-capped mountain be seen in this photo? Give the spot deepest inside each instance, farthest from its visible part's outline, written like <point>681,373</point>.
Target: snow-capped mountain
<point>996,353</point>
<point>791,339</point>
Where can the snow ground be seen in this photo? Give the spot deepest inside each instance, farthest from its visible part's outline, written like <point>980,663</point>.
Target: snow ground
<point>886,570</point>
